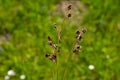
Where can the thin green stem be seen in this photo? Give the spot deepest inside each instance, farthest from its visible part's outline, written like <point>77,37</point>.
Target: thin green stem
<point>68,59</point>
<point>57,69</point>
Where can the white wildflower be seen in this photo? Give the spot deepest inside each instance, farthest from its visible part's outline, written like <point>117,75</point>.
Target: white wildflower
<point>7,77</point>
<point>22,76</point>
<point>11,73</point>
<point>91,67</point>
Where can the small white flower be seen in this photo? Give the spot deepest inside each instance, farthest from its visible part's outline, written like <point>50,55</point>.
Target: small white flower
<point>11,73</point>
<point>22,76</point>
<point>7,77</point>
<point>91,67</point>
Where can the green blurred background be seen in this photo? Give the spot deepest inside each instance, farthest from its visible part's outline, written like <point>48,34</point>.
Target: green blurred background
<point>25,25</point>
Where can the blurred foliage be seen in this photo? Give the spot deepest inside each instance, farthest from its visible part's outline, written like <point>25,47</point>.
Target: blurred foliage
<point>25,25</point>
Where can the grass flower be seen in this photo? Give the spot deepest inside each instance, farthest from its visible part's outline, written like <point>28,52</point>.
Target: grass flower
<point>56,45</point>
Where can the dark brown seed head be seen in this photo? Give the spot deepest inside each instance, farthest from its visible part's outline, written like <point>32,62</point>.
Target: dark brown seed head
<point>77,32</point>
<point>55,46</point>
<point>55,25</point>
<point>69,15</point>
<point>50,43</point>
<point>53,58</point>
<point>47,55</point>
<point>75,51</point>
<point>49,38</point>
<point>69,7</point>
<point>84,30</point>
<point>58,49</point>
<point>78,46</point>
<point>80,38</point>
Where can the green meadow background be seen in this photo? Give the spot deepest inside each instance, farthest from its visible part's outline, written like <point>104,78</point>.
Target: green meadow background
<point>26,24</point>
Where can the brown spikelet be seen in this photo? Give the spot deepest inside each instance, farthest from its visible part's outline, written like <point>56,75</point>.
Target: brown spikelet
<point>52,57</point>
<point>69,7</point>
<point>47,55</point>
<point>49,40</point>
<point>55,25</point>
<point>79,35</point>
<point>77,32</point>
<point>69,15</point>
<point>84,30</point>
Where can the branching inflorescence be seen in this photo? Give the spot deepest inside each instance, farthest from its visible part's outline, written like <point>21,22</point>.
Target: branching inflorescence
<point>56,49</point>
<point>77,47</point>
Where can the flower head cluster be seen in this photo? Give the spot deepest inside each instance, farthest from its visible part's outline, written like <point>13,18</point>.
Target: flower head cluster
<point>56,49</point>
<point>69,10</point>
<point>79,37</point>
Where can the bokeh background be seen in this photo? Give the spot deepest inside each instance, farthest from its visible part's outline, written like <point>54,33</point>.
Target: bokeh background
<point>26,24</point>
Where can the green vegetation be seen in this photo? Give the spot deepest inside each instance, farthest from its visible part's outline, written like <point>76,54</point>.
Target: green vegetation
<point>26,24</point>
